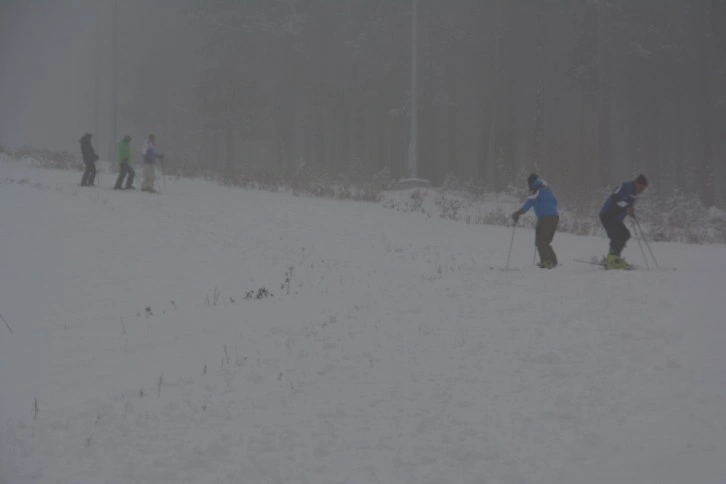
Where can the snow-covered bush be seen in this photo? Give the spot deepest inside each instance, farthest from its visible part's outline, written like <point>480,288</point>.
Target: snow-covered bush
<point>678,217</point>
<point>43,158</point>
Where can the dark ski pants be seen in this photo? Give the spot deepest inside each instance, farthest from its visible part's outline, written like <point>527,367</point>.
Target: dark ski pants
<point>89,174</point>
<point>544,232</point>
<point>125,169</point>
<point>617,232</point>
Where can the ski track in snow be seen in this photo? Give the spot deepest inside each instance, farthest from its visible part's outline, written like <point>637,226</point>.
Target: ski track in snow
<point>396,355</point>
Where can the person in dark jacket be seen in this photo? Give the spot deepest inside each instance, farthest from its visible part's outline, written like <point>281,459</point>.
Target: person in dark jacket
<point>124,159</point>
<point>620,203</point>
<point>545,209</point>
<point>89,158</point>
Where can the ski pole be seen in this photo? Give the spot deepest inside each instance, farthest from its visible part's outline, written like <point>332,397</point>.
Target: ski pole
<point>635,232</point>
<point>642,236</point>
<point>6,324</point>
<point>511,243</point>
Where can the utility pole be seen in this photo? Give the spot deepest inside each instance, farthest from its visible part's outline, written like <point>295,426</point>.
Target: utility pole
<point>413,139</point>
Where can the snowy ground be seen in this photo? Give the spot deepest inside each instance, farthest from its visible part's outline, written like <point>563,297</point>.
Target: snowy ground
<point>398,352</point>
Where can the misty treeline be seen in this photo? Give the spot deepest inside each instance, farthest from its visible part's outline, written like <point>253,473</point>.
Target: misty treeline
<point>587,93</point>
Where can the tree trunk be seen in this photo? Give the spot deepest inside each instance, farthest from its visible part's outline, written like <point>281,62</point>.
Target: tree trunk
<point>230,162</point>
<point>539,90</point>
<point>602,143</point>
<point>706,117</point>
<point>490,166</point>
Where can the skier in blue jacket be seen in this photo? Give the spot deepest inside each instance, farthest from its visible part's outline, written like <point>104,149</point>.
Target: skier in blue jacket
<point>544,203</point>
<point>612,215</point>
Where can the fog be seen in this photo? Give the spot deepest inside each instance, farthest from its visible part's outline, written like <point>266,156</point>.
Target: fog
<point>46,60</point>
<point>586,93</point>
<point>56,59</point>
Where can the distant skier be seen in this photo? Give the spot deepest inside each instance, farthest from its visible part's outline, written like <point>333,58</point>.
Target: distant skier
<point>89,159</point>
<point>150,155</point>
<point>545,209</point>
<point>612,215</point>
<point>124,159</point>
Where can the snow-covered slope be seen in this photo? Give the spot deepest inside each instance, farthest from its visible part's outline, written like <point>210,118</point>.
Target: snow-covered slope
<point>393,348</point>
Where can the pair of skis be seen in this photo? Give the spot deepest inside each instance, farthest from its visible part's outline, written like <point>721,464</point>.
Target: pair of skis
<point>597,262</point>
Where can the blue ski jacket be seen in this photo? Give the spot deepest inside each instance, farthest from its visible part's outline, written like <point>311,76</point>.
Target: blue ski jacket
<point>617,204</point>
<point>541,198</point>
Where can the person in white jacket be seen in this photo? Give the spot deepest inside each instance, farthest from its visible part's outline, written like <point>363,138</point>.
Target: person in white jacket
<point>150,155</point>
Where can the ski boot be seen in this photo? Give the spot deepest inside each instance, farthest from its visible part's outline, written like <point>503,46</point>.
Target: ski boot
<point>546,265</point>
<point>616,262</point>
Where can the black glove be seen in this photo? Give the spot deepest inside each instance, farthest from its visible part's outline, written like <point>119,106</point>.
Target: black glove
<point>515,216</point>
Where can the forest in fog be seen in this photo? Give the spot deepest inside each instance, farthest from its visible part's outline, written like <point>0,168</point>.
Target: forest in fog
<point>586,93</point>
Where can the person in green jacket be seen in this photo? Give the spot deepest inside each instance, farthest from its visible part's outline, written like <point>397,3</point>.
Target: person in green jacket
<point>124,159</point>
